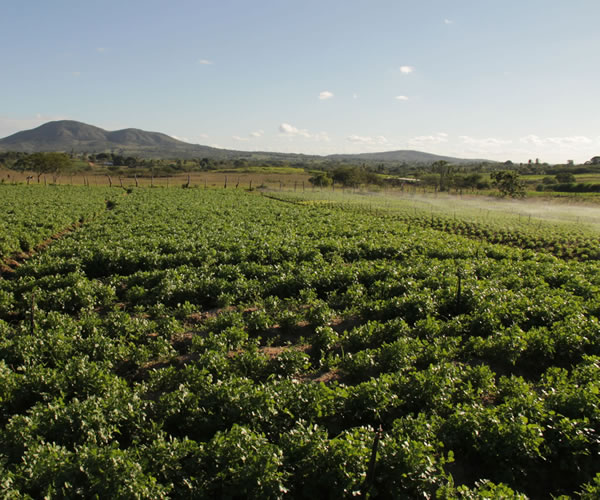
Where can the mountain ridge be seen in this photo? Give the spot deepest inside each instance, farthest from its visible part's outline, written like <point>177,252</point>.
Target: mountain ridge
<point>79,137</point>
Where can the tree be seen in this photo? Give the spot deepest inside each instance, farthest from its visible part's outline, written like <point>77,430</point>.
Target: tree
<point>352,176</point>
<point>14,160</point>
<point>432,180</point>
<point>565,177</point>
<point>470,181</point>
<point>349,176</point>
<point>49,163</point>
<point>206,164</point>
<point>446,173</point>
<point>476,180</point>
<point>117,159</point>
<point>320,180</point>
<point>130,162</point>
<point>508,183</point>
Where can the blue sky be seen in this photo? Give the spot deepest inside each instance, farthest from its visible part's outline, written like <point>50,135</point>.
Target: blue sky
<point>512,79</point>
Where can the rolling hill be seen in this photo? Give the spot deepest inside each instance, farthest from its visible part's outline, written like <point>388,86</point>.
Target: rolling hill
<point>404,155</point>
<point>69,135</point>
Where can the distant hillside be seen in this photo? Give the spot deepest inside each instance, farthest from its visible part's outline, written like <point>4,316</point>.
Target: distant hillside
<point>69,135</point>
<point>405,155</point>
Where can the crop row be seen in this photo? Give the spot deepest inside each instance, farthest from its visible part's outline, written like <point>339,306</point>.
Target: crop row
<point>32,214</point>
<point>525,234</point>
<point>565,246</point>
<point>212,343</point>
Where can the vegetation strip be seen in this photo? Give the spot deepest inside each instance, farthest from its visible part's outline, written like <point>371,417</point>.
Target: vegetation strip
<point>9,265</point>
<point>540,237</point>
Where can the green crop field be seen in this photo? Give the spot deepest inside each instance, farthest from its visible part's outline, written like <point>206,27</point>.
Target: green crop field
<point>224,343</point>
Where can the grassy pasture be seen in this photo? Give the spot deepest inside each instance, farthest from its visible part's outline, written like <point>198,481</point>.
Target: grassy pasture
<point>271,177</point>
<point>592,178</point>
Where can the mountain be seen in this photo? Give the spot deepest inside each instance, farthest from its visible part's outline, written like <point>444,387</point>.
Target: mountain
<point>69,135</point>
<point>404,155</point>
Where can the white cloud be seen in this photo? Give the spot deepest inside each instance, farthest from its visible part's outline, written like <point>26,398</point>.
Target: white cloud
<point>401,98</point>
<point>287,130</point>
<point>406,70</point>
<point>485,146</point>
<point>485,142</point>
<point>427,140</point>
<point>100,50</point>
<point>325,95</point>
<point>552,149</point>
<point>252,135</point>
<point>76,73</point>
<point>355,96</point>
<point>204,61</point>
<point>448,21</point>
<point>367,140</point>
<point>322,137</point>
<point>291,131</point>
<point>531,139</point>
<point>567,141</point>
<point>558,148</point>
